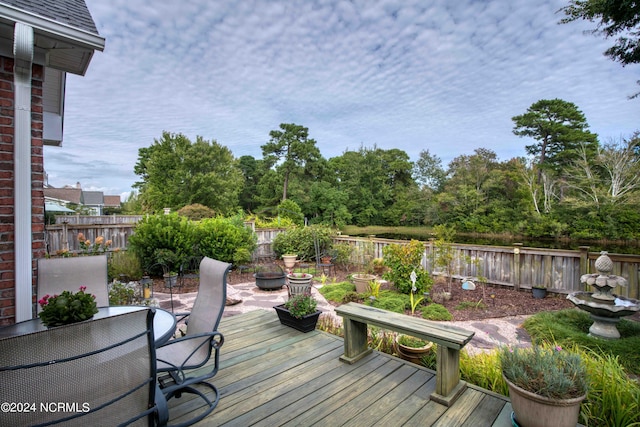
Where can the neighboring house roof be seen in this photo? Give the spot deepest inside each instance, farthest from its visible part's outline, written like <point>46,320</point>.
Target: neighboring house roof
<point>70,12</point>
<point>93,198</point>
<point>112,201</point>
<point>71,195</point>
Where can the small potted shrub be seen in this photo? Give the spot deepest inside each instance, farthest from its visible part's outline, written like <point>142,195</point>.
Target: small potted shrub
<point>546,385</point>
<point>67,307</point>
<point>412,348</point>
<point>299,312</point>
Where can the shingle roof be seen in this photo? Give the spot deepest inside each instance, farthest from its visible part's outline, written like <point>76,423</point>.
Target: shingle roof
<point>71,12</point>
<point>112,201</point>
<point>93,198</point>
<point>69,194</point>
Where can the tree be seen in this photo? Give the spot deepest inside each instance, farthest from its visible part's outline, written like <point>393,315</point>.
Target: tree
<point>560,129</point>
<point>253,171</point>
<point>615,17</point>
<point>428,171</point>
<point>613,175</point>
<point>176,173</point>
<point>292,147</point>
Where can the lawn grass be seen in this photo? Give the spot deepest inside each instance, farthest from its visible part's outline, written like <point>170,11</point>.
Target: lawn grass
<point>571,326</point>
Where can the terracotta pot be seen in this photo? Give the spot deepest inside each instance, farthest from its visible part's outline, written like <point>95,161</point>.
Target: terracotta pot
<point>532,410</point>
<point>412,354</point>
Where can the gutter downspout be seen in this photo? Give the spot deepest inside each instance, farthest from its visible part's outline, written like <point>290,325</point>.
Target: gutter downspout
<point>23,59</point>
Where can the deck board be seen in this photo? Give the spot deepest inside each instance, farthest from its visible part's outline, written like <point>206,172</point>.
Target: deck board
<point>272,375</point>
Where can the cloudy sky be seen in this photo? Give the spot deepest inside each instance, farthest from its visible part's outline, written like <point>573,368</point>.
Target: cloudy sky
<point>439,75</point>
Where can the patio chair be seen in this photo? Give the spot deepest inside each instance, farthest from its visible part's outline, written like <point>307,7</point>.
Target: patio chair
<point>180,357</point>
<point>68,274</point>
<point>98,372</point>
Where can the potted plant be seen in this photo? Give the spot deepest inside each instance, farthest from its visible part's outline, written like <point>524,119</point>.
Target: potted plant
<point>299,283</point>
<point>412,348</point>
<point>67,308</point>
<point>546,385</point>
<point>299,312</point>
<point>169,260</point>
<point>539,291</point>
<point>289,260</point>
<point>362,280</point>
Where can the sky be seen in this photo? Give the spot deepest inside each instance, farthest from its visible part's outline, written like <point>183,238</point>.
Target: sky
<point>443,76</point>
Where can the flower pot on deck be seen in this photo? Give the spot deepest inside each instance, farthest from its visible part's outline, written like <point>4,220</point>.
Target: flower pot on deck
<point>305,324</point>
<point>532,410</point>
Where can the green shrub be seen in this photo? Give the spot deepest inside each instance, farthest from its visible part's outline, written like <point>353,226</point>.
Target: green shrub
<point>290,210</point>
<point>436,312</point>
<point>121,293</point>
<point>391,301</point>
<point>300,241</point>
<point>196,212</point>
<point>124,263</point>
<point>225,239</point>
<point>343,253</point>
<point>402,260</point>
<point>336,292</point>
<point>168,233</point>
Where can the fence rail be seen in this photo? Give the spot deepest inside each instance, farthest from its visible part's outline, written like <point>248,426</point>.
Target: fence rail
<point>515,266</point>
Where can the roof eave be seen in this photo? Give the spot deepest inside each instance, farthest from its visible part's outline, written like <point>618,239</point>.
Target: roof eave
<point>53,28</point>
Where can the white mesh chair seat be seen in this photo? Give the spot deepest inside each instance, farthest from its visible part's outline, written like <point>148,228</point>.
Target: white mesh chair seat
<point>68,274</point>
<point>180,356</point>
<point>103,370</point>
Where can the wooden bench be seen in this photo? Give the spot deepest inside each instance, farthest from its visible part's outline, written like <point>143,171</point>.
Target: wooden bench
<point>450,341</point>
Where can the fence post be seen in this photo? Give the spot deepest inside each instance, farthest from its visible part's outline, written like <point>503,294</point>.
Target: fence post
<point>516,266</point>
<point>584,260</point>
<point>65,238</point>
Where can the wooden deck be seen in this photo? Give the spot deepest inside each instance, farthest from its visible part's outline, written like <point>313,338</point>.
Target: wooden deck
<point>273,375</point>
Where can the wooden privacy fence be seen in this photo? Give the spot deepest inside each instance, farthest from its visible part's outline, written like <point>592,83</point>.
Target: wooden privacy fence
<point>64,237</point>
<point>517,266</point>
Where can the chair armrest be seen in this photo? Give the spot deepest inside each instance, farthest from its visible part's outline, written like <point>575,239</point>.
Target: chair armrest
<point>216,339</point>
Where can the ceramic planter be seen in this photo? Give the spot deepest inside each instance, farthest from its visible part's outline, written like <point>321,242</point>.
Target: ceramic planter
<point>299,283</point>
<point>532,410</point>
<point>289,260</point>
<point>361,280</point>
<point>305,324</point>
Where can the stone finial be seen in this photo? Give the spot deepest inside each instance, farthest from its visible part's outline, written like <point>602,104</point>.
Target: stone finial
<point>603,264</point>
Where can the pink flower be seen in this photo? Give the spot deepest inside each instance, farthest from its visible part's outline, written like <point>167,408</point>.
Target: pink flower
<point>558,348</point>
<point>83,288</point>
<point>43,301</point>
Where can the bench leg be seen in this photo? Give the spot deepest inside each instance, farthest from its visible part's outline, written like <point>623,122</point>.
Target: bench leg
<point>448,384</point>
<point>355,341</point>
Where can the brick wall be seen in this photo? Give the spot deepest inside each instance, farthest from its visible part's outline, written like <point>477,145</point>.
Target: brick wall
<point>7,236</point>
